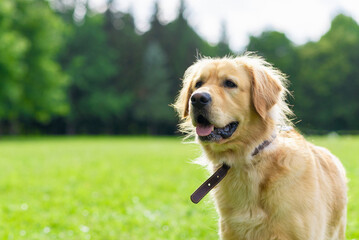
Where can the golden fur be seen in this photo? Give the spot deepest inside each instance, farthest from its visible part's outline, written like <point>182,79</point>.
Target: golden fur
<point>291,189</point>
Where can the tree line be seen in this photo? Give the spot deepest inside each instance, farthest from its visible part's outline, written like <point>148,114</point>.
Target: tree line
<point>65,69</point>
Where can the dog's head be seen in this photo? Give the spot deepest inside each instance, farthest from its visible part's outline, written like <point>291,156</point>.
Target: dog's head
<point>229,99</point>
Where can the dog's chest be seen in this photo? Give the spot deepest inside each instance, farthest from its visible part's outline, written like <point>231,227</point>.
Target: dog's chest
<point>237,199</point>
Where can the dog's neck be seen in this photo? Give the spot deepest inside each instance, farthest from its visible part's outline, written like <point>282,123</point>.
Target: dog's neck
<point>264,144</point>
<point>221,172</point>
<point>240,153</point>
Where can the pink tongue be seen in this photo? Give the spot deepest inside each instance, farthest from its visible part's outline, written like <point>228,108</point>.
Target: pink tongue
<point>204,130</point>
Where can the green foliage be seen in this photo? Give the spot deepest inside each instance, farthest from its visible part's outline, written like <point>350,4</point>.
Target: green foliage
<point>324,75</point>
<point>12,50</point>
<point>154,91</point>
<point>32,83</point>
<point>128,48</point>
<point>121,81</point>
<point>223,45</point>
<point>89,62</point>
<point>277,49</point>
<point>329,76</point>
<point>77,71</point>
<point>109,188</point>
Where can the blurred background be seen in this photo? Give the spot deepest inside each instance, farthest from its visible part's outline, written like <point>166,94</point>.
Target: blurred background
<point>114,67</point>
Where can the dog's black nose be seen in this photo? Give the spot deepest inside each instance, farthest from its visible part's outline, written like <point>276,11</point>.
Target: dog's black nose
<point>200,100</point>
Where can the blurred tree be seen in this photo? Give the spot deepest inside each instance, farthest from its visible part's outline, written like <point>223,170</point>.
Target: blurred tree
<point>158,31</point>
<point>330,78</point>
<point>89,62</point>
<point>152,105</point>
<point>13,47</point>
<point>276,48</point>
<point>102,57</point>
<point>32,84</point>
<point>223,45</point>
<point>128,48</point>
<point>182,46</point>
<point>122,82</point>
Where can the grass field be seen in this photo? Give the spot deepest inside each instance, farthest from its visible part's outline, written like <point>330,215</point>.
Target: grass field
<point>120,188</point>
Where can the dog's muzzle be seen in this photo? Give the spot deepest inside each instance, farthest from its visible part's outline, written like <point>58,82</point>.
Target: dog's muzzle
<point>206,131</point>
<point>214,134</point>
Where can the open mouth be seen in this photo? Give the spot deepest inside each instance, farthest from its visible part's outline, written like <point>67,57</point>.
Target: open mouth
<point>208,132</point>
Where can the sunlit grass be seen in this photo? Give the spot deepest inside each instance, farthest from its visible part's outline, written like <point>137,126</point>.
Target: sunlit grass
<point>119,188</point>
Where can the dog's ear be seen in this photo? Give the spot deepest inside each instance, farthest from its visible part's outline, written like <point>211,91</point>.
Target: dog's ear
<point>266,88</point>
<point>182,101</point>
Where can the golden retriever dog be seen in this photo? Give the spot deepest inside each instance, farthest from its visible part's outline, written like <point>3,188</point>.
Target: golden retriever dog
<point>272,183</point>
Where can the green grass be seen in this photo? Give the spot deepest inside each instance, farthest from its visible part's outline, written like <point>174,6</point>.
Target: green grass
<point>119,188</point>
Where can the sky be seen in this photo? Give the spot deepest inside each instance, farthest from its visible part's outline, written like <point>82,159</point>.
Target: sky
<point>300,20</point>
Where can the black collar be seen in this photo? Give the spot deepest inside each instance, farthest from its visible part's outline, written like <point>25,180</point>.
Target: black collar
<point>216,177</point>
<point>263,145</point>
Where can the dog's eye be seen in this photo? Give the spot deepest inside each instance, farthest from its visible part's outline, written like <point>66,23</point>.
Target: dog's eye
<point>198,84</point>
<point>229,84</point>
